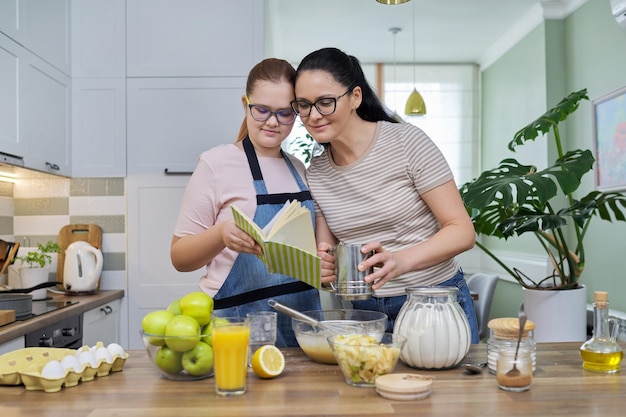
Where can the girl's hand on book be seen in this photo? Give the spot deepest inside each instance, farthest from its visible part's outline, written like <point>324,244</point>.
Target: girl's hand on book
<point>239,241</point>
<point>326,254</point>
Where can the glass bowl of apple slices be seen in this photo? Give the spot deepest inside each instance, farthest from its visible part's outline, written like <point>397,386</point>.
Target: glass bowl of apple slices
<point>180,358</point>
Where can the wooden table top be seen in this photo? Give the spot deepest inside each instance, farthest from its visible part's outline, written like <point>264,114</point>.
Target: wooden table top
<point>560,387</point>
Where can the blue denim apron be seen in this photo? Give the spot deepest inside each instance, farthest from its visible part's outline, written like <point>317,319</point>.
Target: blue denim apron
<point>249,285</point>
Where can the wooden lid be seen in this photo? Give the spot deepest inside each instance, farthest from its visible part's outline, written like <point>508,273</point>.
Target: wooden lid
<point>404,386</point>
<point>508,327</point>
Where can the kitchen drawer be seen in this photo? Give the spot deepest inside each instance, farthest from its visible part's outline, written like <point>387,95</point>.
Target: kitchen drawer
<point>102,324</point>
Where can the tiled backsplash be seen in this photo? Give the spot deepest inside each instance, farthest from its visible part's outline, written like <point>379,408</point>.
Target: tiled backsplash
<point>34,211</point>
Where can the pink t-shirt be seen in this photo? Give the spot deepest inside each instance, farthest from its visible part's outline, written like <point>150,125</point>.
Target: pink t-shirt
<point>223,178</point>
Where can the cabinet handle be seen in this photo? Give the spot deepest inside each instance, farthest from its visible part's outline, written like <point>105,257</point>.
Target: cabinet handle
<point>168,172</point>
<point>106,310</point>
<point>53,167</point>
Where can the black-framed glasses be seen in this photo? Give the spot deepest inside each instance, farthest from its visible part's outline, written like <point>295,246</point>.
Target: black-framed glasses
<point>261,113</point>
<point>325,106</point>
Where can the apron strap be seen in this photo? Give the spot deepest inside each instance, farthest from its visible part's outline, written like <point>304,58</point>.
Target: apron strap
<point>260,294</point>
<point>282,198</point>
<point>255,169</point>
<point>253,162</point>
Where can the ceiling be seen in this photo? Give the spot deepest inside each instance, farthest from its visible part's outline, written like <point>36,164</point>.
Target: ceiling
<point>446,31</point>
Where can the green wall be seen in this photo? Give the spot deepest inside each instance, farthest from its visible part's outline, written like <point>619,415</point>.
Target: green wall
<point>586,50</point>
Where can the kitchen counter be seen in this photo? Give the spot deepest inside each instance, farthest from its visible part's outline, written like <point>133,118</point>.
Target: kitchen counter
<point>85,303</point>
<point>306,388</point>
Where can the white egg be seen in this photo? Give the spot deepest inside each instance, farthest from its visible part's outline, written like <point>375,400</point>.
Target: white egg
<point>53,370</point>
<point>71,362</point>
<point>116,350</point>
<point>87,357</point>
<point>103,353</point>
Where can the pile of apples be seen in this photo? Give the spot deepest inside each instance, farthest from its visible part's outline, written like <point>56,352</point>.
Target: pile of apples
<point>183,334</point>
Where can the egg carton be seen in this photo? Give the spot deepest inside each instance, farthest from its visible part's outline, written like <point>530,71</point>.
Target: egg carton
<point>39,368</point>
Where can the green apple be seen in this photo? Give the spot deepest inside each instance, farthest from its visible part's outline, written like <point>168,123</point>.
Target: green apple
<point>207,334</point>
<point>174,307</point>
<point>182,333</point>
<point>198,305</point>
<point>169,360</point>
<point>199,360</point>
<point>154,323</point>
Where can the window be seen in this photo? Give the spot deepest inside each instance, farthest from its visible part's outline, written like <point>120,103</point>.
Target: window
<point>451,96</point>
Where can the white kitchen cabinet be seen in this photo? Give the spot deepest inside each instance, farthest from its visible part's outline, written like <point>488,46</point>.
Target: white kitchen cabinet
<point>102,324</point>
<point>153,205</point>
<point>44,116</point>
<point>98,39</point>
<point>98,88</point>
<point>10,54</point>
<point>17,343</point>
<point>35,111</point>
<point>192,38</point>
<point>40,26</point>
<point>99,127</point>
<point>171,121</point>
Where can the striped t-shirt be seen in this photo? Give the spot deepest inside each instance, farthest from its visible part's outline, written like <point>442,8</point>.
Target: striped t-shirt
<point>377,197</point>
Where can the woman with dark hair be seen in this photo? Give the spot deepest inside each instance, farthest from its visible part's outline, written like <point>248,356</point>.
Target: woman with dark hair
<point>380,183</point>
<point>254,174</point>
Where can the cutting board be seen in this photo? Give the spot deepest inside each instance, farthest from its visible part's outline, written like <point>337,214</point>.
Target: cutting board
<point>90,233</point>
<point>6,317</point>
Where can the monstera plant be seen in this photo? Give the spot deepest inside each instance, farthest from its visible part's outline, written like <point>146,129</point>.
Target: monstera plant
<point>515,199</point>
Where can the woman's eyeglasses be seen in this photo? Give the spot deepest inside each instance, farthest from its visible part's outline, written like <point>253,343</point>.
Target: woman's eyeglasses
<point>261,114</point>
<point>325,106</point>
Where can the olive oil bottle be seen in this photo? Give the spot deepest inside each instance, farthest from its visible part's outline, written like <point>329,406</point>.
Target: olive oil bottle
<point>602,353</point>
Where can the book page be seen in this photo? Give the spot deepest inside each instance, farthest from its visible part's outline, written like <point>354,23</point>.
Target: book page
<point>296,231</point>
<point>284,211</point>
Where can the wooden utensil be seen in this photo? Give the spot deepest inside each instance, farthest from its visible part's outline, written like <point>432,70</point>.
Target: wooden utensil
<point>90,233</point>
<point>6,317</point>
<point>8,250</point>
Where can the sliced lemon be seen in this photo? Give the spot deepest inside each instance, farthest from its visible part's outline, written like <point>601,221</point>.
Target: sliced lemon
<point>268,362</point>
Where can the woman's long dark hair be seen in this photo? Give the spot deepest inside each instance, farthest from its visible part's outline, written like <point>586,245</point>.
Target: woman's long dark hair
<point>346,70</point>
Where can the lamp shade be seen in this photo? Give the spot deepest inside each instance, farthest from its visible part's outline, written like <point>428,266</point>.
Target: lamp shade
<point>393,1</point>
<point>415,105</point>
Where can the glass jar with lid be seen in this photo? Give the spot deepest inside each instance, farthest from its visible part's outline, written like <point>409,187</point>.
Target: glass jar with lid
<point>437,331</point>
<point>503,334</point>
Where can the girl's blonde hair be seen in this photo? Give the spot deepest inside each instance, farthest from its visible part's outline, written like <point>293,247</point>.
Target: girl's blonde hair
<point>270,69</point>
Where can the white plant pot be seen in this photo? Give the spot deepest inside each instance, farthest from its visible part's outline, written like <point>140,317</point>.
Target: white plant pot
<point>559,316</point>
<point>34,276</point>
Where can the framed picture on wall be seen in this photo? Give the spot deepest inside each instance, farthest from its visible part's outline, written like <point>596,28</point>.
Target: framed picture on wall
<point>609,132</point>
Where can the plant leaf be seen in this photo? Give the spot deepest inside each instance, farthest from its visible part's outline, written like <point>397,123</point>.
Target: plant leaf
<point>501,193</point>
<point>608,204</point>
<point>549,119</point>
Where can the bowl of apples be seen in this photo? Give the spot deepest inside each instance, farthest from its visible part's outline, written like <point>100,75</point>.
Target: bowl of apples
<point>178,339</point>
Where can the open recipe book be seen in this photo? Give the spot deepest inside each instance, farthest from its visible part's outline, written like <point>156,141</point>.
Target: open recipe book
<point>288,242</point>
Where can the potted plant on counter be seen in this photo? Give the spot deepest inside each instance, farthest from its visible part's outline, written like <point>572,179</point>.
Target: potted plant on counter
<point>515,199</point>
<point>34,269</point>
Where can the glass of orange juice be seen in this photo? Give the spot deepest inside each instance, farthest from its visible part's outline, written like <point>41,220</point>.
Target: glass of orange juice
<point>231,336</point>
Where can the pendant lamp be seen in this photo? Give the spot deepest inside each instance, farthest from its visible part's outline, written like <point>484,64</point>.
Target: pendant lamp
<point>392,2</point>
<point>415,105</point>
